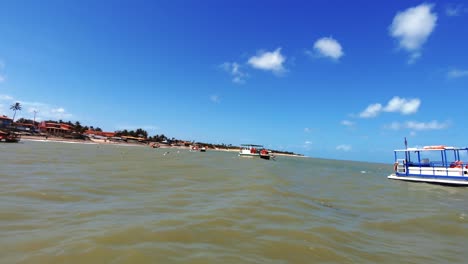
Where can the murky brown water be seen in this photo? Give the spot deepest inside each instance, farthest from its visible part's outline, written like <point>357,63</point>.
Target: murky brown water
<point>72,203</point>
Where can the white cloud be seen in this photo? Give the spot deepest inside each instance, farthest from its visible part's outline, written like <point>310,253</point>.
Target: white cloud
<point>307,130</point>
<point>268,61</point>
<point>5,97</point>
<point>455,10</point>
<point>2,78</point>
<point>44,111</point>
<point>215,99</point>
<point>402,105</point>
<point>347,123</point>
<point>394,126</point>
<point>457,74</point>
<point>371,111</point>
<point>344,147</point>
<point>308,142</point>
<point>307,145</point>
<point>418,126</point>
<point>328,47</point>
<point>234,69</point>
<point>58,110</point>
<point>433,125</point>
<point>396,104</point>
<point>412,27</point>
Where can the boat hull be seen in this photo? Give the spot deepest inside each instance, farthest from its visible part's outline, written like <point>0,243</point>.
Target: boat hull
<point>463,181</point>
<point>9,140</point>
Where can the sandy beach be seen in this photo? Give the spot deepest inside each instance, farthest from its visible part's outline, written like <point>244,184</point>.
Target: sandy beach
<point>107,142</point>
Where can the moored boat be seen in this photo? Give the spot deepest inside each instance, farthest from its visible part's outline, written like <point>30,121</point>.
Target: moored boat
<point>431,164</point>
<point>254,151</point>
<point>9,137</point>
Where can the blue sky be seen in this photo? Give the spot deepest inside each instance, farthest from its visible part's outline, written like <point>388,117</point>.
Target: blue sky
<point>332,79</point>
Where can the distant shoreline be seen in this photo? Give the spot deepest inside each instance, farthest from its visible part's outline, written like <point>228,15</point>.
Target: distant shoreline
<point>91,142</point>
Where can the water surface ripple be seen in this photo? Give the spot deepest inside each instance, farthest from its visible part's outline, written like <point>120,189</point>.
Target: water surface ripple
<point>74,203</point>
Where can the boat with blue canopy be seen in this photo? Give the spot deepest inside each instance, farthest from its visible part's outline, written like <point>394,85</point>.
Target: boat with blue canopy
<point>252,150</point>
<point>432,164</point>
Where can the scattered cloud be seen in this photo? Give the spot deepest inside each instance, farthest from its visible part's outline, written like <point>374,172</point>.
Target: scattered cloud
<point>433,125</point>
<point>307,145</point>
<point>44,111</point>
<point>307,130</point>
<point>215,99</point>
<point>412,27</point>
<point>393,126</point>
<point>268,61</point>
<point>5,97</point>
<point>347,123</point>
<point>328,47</point>
<point>371,111</point>
<point>58,110</point>
<point>235,70</point>
<point>344,147</point>
<point>455,10</point>
<point>457,73</point>
<point>402,105</point>
<point>418,126</point>
<point>396,104</point>
<point>2,78</point>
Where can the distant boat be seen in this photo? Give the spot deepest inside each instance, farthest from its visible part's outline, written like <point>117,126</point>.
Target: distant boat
<point>197,148</point>
<point>9,137</point>
<point>194,148</point>
<point>254,151</point>
<point>431,164</point>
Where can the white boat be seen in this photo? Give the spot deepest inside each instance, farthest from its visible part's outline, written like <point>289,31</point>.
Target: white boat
<point>431,164</point>
<point>254,151</point>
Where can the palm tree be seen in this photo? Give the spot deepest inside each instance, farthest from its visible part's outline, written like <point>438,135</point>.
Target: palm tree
<point>15,107</point>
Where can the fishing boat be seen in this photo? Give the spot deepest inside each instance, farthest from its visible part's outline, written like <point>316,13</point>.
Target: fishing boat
<point>9,137</point>
<point>431,164</point>
<point>254,151</point>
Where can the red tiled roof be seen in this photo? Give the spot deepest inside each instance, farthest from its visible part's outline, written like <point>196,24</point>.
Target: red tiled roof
<point>99,133</point>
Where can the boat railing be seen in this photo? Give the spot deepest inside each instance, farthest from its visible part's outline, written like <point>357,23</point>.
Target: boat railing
<point>435,168</point>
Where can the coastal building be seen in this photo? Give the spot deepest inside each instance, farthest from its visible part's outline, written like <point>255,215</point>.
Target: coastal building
<point>55,128</point>
<point>5,121</point>
<point>25,127</point>
<point>99,133</point>
<point>133,139</point>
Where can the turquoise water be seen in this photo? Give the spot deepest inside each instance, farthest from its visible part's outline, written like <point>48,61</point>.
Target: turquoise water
<point>75,203</point>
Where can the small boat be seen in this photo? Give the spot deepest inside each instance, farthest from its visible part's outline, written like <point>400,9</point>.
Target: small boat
<point>431,164</point>
<point>194,148</point>
<point>254,151</point>
<point>9,137</point>
<point>202,149</point>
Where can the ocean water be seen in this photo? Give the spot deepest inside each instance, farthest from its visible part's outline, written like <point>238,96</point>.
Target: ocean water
<point>75,203</point>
